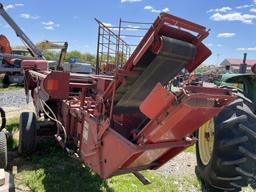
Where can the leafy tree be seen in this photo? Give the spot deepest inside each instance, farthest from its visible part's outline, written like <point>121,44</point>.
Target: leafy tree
<point>20,47</point>
<point>81,57</point>
<point>51,55</point>
<point>90,58</point>
<point>202,69</point>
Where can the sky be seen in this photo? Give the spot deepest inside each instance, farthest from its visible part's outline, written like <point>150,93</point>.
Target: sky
<point>232,23</point>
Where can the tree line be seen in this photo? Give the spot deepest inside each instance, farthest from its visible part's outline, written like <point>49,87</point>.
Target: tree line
<point>84,57</point>
<point>81,57</point>
<point>53,55</point>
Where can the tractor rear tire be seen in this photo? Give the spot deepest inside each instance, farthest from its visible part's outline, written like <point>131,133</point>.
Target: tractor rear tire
<point>232,164</point>
<point>3,151</point>
<point>27,133</point>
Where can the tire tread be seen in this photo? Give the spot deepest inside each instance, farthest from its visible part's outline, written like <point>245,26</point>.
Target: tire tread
<point>234,151</point>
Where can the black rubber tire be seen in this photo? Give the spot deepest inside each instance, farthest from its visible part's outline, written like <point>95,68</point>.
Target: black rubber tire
<point>3,119</point>
<point>3,151</point>
<point>233,161</point>
<point>27,133</point>
<point>5,81</point>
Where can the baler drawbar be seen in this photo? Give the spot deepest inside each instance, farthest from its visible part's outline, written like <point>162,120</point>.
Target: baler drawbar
<point>129,121</point>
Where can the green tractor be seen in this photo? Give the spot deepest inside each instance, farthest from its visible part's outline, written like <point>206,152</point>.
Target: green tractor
<point>226,147</point>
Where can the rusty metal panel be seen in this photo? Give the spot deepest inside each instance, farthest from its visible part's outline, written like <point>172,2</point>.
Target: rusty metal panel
<point>115,152</point>
<point>37,65</point>
<point>148,157</point>
<point>185,116</point>
<point>89,150</point>
<point>56,85</point>
<point>156,101</point>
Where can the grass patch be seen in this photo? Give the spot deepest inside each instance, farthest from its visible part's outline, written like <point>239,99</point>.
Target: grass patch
<point>12,126</point>
<point>160,183</point>
<point>191,149</point>
<point>50,169</point>
<point>10,88</point>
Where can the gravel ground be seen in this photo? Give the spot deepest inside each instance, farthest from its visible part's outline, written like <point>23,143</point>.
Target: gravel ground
<point>14,102</point>
<point>181,165</point>
<point>15,98</point>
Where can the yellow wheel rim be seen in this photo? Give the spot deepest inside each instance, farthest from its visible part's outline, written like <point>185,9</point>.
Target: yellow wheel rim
<point>206,141</point>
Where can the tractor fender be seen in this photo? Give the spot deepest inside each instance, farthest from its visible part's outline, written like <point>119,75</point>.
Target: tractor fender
<point>241,78</point>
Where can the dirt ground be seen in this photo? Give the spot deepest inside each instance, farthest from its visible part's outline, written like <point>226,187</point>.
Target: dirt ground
<point>13,112</point>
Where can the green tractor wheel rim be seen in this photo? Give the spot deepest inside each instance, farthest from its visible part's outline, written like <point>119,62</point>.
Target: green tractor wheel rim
<point>206,141</point>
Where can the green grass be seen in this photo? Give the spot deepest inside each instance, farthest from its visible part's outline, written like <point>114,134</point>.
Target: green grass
<point>10,88</point>
<point>50,169</point>
<point>160,182</point>
<point>12,126</point>
<point>191,149</point>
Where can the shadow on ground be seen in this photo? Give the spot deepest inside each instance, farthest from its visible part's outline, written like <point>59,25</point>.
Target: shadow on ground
<point>50,169</point>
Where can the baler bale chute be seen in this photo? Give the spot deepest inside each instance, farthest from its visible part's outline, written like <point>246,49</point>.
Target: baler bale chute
<point>129,122</point>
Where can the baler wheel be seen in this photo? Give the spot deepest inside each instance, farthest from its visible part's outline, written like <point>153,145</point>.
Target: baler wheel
<point>27,135</point>
<point>232,164</point>
<point>3,151</point>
